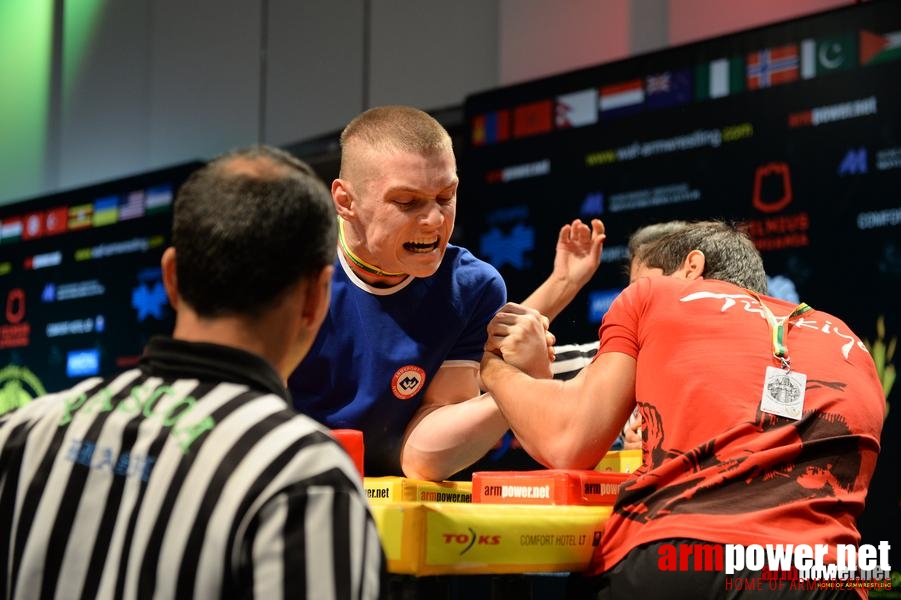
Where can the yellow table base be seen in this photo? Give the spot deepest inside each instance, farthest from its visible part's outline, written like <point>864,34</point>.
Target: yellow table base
<point>434,538</point>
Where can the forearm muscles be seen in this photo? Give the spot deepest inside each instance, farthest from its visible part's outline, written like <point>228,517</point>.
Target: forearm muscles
<point>445,439</point>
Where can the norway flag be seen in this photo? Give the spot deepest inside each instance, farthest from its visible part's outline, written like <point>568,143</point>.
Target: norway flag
<point>773,66</point>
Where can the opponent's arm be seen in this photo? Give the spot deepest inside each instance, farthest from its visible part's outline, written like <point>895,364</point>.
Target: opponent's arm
<point>565,424</point>
<point>562,424</point>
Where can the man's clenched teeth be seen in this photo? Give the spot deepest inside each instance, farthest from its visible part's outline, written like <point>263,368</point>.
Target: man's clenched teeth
<point>422,245</point>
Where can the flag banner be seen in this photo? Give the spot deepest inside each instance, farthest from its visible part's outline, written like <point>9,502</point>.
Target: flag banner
<point>826,55</point>
<point>33,226</point>
<point>576,109</point>
<point>878,48</point>
<point>11,230</point>
<point>669,88</point>
<point>80,216</point>
<point>491,128</point>
<point>533,118</point>
<point>773,66</point>
<point>106,211</point>
<point>132,206</point>
<point>621,98</point>
<point>157,198</point>
<point>719,78</point>
<point>477,135</point>
<point>56,220</point>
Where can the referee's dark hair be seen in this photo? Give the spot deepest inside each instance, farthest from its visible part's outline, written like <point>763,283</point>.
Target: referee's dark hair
<point>246,226</point>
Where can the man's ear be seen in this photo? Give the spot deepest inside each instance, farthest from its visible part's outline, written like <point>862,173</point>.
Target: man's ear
<point>342,198</point>
<point>693,265</point>
<point>170,279</point>
<point>318,296</point>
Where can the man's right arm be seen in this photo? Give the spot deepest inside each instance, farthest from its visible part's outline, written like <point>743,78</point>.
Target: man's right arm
<point>589,408</point>
<point>565,424</point>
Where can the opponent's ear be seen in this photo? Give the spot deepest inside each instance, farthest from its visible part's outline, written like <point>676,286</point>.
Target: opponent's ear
<point>170,279</point>
<point>693,265</point>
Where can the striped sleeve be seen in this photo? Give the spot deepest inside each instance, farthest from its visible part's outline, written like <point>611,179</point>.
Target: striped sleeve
<point>296,521</point>
<point>316,540</point>
<point>143,487</point>
<point>572,358</point>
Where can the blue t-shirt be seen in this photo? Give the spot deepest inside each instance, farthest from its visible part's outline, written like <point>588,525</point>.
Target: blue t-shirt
<point>379,348</point>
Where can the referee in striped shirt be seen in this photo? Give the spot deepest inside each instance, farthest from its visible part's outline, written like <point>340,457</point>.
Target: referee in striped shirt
<point>191,476</point>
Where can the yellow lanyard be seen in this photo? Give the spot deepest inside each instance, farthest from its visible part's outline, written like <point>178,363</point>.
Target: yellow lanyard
<point>778,330</point>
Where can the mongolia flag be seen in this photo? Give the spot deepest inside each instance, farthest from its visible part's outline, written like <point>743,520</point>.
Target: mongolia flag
<point>773,66</point>
<point>478,130</point>
<point>497,126</point>
<point>621,98</point>
<point>491,128</point>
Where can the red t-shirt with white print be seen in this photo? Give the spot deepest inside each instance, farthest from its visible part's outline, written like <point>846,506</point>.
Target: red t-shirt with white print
<point>716,468</point>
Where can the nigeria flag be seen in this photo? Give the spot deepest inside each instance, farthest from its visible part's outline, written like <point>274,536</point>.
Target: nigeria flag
<point>719,78</point>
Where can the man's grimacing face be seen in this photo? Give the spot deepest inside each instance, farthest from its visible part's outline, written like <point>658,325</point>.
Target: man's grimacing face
<point>406,206</point>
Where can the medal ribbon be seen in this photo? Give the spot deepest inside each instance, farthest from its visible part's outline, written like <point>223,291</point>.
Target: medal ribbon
<point>372,269</point>
<point>779,330</point>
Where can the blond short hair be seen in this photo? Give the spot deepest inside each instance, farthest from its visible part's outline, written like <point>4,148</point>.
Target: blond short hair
<point>392,128</point>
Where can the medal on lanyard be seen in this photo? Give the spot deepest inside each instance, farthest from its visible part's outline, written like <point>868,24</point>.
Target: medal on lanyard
<point>783,389</point>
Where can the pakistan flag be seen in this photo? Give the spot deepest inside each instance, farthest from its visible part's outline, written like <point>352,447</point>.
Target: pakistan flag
<point>828,54</point>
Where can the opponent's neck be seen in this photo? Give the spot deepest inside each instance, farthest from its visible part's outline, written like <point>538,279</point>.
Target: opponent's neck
<point>368,272</point>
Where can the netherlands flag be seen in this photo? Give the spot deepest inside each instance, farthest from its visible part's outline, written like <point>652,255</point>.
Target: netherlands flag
<point>621,98</point>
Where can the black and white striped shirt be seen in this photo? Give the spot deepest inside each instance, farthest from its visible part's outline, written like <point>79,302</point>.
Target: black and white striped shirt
<point>190,477</point>
<point>572,358</point>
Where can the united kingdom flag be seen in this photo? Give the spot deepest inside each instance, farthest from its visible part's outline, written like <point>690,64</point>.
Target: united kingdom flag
<point>773,66</point>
